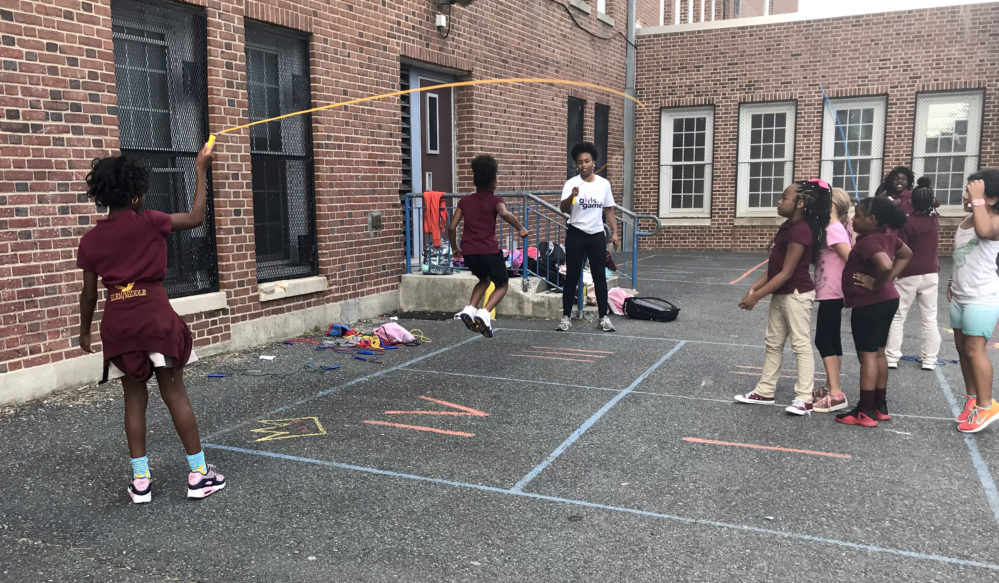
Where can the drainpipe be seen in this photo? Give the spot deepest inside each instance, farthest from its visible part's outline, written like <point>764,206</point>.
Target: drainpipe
<point>628,198</point>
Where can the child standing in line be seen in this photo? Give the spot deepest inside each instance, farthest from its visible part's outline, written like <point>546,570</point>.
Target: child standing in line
<point>829,293</point>
<point>974,297</point>
<point>806,206</point>
<point>920,279</point>
<point>875,261</point>
<point>897,186</point>
<point>140,333</point>
<point>478,243</point>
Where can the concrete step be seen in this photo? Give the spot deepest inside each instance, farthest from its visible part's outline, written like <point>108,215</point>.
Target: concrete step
<point>450,293</point>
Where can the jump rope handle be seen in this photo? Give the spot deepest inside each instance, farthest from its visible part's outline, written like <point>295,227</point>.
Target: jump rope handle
<point>211,140</point>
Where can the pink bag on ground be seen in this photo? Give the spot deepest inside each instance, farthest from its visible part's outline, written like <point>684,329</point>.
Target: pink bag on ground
<point>615,298</point>
<point>391,333</point>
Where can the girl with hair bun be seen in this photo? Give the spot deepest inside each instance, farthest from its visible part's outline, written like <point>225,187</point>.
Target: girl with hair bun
<point>920,280</point>
<point>875,261</point>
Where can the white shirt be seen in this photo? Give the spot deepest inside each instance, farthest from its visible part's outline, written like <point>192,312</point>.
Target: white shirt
<point>975,278</point>
<point>587,213</point>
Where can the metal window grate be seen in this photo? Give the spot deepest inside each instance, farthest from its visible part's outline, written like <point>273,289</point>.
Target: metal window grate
<point>160,74</point>
<point>284,205</point>
<point>574,132</point>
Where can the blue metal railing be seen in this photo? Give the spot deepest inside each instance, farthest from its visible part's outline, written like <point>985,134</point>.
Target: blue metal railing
<point>544,222</point>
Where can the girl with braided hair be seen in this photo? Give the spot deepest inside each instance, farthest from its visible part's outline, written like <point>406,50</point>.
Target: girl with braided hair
<point>874,263</point>
<point>806,207</point>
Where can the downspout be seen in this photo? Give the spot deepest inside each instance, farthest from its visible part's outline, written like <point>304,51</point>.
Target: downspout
<point>628,198</point>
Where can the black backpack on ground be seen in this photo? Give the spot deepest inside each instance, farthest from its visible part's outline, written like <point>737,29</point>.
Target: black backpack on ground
<point>550,257</point>
<point>650,309</point>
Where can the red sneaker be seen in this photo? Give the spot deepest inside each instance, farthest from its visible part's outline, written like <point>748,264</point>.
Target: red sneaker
<point>857,417</point>
<point>969,404</point>
<point>881,413</point>
<point>754,398</point>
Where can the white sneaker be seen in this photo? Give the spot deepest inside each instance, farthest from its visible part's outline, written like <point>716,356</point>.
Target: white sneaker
<point>565,324</point>
<point>606,325</point>
<point>484,322</point>
<point>468,317</point>
<point>929,364</point>
<point>892,364</point>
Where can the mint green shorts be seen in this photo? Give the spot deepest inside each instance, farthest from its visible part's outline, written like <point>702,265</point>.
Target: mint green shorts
<point>974,319</point>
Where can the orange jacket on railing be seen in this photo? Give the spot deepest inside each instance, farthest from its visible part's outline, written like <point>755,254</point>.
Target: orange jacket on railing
<point>434,221</point>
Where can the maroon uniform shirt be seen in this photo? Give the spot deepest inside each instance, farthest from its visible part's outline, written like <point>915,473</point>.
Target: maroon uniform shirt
<point>867,246</point>
<point>792,232</point>
<point>478,211</point>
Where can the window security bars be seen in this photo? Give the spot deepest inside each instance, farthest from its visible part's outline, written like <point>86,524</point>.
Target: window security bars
<point>946,143</point>
<point>766,156</point>
<point>160,74</point>
<point>854,138</point>
<point>284,223</point>
<point>685,155</point>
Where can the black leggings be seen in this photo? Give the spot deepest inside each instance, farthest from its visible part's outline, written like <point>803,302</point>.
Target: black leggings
<point>580,246</point>
<point>827,328</point>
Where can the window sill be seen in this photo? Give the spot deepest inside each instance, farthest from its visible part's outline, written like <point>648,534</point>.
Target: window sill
<point>758,221</point>
<point>580,5</point>
<point>200,303</point>
<point>276,290</point>
<point>952,220</point>
<point>605,19</point>
<point>685,222</point>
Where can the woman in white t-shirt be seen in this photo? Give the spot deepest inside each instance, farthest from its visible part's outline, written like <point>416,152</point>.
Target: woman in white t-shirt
<point>588,200</point>
<point>974,297</point>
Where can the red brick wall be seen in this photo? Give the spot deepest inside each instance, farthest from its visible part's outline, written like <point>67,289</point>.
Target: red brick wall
<point>951,48</point>
<point>57,85</point>
<point>647,11</point>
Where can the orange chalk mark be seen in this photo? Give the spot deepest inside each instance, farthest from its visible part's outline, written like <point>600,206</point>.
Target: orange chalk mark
<point>743,276</point>
<point>463,411</point>
<point>554,357</point>
<point>767,447</point>
<point>420,428</point>
<point>565,353</point>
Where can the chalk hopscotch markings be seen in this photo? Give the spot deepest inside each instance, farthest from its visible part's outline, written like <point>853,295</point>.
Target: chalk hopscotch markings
<point>288,428</point>
<point>462,411</point>
<point>766,447</point>
<point>546,352</point>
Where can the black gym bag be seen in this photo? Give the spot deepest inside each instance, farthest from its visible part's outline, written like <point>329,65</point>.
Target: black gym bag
<point>650,309</point>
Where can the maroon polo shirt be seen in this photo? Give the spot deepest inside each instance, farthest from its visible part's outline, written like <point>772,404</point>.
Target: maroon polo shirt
<point>128,251</point>
<point>859,261</point>
<point>922,234</point>
<point>792,231</point>
<point>478,211</point>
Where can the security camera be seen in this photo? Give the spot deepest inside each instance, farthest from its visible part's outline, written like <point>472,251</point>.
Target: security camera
<point>441,23</point>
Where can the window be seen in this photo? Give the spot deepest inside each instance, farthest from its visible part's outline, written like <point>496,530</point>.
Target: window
<point>766,156</point>
<point>946,143</point>
<point>854,140</point>
<point>433,122</point>
<point>601,117</point>
<point>602,6</point>
<point>284,225</point>
<point>686,144</point>
<point>160,78</point>
<point>574,132</point>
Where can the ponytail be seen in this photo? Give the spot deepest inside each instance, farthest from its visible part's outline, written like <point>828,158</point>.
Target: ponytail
<point>816,196</point>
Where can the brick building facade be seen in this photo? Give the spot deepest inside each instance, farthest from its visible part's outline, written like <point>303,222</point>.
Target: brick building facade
<point>61,108</point>
<point>924,85</point>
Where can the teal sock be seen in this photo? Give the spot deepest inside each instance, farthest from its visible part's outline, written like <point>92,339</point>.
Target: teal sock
<point>140,467</point>
<point>197,462</point>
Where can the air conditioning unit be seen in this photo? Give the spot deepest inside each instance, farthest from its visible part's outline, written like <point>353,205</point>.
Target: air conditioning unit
<point>462,2</point>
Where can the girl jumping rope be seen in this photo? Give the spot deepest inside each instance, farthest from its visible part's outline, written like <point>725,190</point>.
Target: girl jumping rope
<point>796,244</point>
<point>141,335</point>
<point>921,278</point>
<point>875,261</point>
<point>829,293</point>
<point>974,297</point>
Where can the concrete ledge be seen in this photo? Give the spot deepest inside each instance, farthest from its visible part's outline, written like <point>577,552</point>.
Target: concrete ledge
<point>580,5</point>
<point>275,290</point>
<point>758,221</point>
<point>601,16</point>
<point>684,222</point>
<point>199,303</point>
<point>31,383</point>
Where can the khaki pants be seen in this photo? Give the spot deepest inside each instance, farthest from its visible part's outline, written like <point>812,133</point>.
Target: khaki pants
<point>790,315</point>
<point>920,289</point>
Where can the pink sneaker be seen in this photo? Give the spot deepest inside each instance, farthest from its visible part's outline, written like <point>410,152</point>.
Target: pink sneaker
<point>828,404</point>
<point>140,490</point>
<point>969,406</point>
<point>203,485</point>
<point>754,398</point>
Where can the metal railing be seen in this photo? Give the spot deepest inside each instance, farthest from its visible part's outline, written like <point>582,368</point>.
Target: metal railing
<point>544,222</point>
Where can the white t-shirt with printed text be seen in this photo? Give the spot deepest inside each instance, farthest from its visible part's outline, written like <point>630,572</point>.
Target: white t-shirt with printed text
<point>587,214</point>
